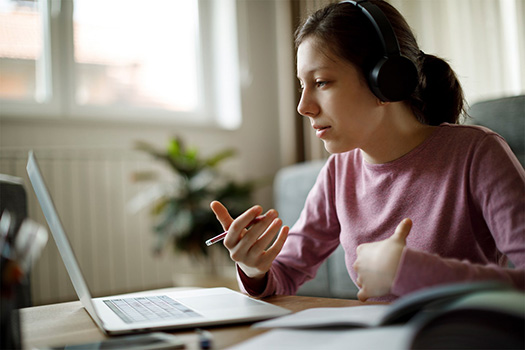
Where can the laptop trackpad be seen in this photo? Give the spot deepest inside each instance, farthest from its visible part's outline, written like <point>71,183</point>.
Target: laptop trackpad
<point>220,301</point>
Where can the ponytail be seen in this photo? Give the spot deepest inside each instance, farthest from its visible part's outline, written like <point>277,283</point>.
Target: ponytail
<point>439,96</point>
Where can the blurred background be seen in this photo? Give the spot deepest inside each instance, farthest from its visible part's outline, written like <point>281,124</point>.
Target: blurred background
<point>82,81</point>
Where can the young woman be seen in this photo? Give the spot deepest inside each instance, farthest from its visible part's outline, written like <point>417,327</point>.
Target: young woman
<point>414,198</point>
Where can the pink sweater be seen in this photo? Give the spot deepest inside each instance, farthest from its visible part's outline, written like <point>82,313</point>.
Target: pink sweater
<point>463,189</point>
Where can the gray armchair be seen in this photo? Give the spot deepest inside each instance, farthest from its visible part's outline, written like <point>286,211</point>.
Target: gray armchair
<point>506,116</point>
<point>291,186</point>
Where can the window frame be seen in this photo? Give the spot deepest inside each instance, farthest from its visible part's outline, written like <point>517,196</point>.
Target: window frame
<point>57,68</point>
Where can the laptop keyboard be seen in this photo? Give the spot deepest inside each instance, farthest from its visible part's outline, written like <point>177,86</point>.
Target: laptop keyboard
<point>154,308</point>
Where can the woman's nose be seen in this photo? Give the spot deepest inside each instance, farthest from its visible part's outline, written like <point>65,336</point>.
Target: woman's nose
<point>307,106</point>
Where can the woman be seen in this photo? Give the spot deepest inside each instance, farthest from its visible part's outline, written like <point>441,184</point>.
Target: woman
<point>414,198</point>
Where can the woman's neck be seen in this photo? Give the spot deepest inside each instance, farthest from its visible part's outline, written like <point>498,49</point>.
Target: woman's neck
<point>399,133</point>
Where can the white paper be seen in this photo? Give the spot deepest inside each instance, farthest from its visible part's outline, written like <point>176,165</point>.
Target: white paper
<point>365,316</point>
<point>392,338</point>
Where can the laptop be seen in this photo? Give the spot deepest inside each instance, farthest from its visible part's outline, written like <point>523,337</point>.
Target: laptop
<point>148,311</point>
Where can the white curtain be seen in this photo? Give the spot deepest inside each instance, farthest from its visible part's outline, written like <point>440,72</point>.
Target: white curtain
<point>298,142</point>
<point>483,41</point>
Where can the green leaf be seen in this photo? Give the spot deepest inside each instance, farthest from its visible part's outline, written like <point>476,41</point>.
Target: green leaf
<point>175,148</point>
<point>184,219</point>
<point>219,157</point>
<point>191,154</point>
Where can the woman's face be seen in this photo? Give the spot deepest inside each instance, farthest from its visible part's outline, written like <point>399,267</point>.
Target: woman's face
<point>342,110</point>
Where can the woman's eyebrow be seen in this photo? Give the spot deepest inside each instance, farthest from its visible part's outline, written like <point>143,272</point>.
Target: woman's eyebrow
<point>313,70</point>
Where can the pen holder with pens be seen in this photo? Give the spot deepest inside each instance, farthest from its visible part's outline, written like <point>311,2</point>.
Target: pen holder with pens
<point>19,247</point>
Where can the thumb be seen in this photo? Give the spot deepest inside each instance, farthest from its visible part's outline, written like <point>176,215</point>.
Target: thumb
<point>402,230</point>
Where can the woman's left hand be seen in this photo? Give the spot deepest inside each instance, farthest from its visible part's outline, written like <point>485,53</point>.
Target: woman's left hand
<point>376,264</point>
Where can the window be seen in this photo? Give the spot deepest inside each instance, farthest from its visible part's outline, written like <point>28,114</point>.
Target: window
<point>127,53</point>
<point>21,41</point>
<point>119,60</point>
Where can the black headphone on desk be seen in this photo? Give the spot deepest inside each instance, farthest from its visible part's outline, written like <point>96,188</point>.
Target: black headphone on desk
<point>393,77</point>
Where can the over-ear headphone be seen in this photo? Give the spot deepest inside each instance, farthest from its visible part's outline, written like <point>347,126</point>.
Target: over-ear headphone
<point>393,77</point>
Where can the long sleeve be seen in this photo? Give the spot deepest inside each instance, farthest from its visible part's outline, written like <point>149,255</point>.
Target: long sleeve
<point>310,241</point>
<point>464,190</point>
<point>497,204</point>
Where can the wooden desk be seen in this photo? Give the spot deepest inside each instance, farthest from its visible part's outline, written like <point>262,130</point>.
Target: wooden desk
<point>69,323</point>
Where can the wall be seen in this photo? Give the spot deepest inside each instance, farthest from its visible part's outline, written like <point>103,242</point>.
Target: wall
<point>257,140</point>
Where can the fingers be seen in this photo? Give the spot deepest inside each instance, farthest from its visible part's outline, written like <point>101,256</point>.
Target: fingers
<point>250,244</point>
<point>362,295</point>
<point>276,247</point>
<point>402,230</point>
<point>222,214</point>
<point>263,260</point>
<point>236,231</point>
<point>260,237</point>
<point>376,263</point>
<point>358,282</point>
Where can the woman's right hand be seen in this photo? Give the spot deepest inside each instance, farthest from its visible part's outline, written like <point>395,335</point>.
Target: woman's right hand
<point>251,248</point>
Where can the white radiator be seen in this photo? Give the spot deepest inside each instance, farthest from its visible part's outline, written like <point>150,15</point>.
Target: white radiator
<point>91,189</point>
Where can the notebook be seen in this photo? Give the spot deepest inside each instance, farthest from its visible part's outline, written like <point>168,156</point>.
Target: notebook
<point>147,311</point>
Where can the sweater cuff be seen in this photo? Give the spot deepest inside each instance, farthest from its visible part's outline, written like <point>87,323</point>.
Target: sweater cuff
<point>406,281</point>
<point>418,270</point>
<point>259,289</point>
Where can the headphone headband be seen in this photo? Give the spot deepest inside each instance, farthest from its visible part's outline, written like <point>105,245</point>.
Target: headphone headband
<point>393,77</point>
<point>381,24</point>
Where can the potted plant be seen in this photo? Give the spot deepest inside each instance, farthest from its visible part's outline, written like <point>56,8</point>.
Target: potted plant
<point>184,220</point>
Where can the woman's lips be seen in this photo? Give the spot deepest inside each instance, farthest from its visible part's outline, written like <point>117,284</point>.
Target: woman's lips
<point>320,131</point>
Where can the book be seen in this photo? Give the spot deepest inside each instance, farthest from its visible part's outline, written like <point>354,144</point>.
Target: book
<point>488,315</point>
<point>480,320</point>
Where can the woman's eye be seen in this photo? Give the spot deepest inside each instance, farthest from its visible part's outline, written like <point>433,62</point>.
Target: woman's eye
<point>318,84</point>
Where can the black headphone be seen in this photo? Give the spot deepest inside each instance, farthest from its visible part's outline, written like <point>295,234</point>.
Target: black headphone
<point>393,77</point>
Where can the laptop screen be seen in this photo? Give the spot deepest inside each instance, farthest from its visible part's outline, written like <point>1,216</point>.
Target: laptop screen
<point>59,235</point>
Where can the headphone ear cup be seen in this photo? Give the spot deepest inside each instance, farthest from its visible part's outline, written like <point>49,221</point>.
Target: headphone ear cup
<point>393,78</point>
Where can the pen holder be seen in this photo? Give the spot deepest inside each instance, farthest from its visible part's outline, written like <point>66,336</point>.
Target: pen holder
<point>20,245</point>
<point>14,287</point>
<point>10,336</point>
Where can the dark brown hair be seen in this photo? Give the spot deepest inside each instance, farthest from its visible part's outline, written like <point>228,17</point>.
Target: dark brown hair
<point>345,31</point>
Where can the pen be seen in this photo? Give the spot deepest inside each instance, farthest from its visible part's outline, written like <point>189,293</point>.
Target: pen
<point>220,237</point>
<point>205,339</point>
